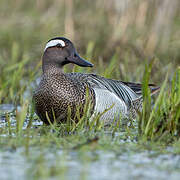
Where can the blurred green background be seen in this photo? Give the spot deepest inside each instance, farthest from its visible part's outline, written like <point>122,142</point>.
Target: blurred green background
<point>118,36</point>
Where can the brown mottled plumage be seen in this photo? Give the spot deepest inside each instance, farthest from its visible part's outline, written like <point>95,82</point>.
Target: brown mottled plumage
<point>56,92</point>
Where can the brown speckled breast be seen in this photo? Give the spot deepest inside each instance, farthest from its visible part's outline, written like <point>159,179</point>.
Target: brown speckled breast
<point>58,91</point>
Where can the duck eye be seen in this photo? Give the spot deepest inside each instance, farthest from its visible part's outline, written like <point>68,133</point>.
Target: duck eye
<point>59,45</point>
<point>75,55</point>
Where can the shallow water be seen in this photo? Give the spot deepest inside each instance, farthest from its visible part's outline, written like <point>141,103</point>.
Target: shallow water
<point>8,109</point>
<point>100,165</point>
<point>124,163</point>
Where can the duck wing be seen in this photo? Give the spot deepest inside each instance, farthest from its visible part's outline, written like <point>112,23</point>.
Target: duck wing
<point>123,91</point>
<point>127,91</point>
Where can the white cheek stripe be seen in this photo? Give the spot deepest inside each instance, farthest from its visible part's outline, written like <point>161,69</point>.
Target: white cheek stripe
<point>54,43</point>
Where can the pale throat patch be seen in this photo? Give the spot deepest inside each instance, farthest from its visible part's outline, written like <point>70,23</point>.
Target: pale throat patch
<point>54,43</point>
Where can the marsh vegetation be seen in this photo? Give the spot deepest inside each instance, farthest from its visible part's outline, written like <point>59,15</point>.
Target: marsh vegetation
<point>136,41</point>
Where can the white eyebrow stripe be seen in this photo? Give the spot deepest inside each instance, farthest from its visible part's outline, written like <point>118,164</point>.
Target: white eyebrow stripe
<point>54,43</point>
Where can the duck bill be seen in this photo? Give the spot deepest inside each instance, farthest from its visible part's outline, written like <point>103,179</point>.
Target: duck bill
<point>80,61</point>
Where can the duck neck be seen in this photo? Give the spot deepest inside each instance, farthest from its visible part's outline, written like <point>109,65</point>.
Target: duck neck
<point>49,65</point>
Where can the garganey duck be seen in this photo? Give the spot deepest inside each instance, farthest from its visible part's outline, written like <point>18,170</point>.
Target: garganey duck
<point>58,90</point>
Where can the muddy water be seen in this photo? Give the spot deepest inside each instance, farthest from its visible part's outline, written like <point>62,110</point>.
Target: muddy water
<point>98,164</point>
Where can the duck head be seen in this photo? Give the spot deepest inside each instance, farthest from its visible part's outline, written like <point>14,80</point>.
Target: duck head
<point>60,51</point>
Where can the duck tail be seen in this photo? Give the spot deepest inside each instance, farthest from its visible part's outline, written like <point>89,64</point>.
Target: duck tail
<point>137,103</point>
<point>137,88</point>
<point>154,89</point>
